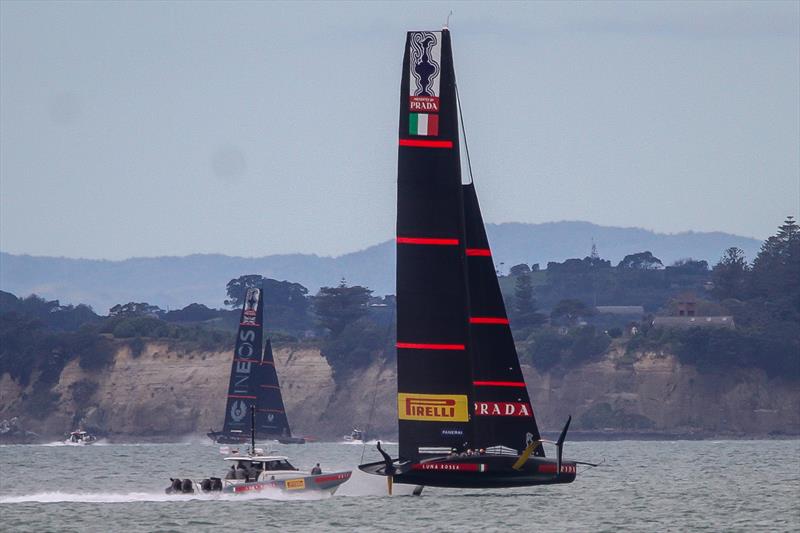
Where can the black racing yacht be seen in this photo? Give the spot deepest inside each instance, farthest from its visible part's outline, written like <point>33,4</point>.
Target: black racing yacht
<point>465,417</point>
<point>253,382</point>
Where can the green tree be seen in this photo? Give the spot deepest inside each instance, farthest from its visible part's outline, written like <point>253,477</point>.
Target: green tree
<point>286,304</point>
<point>568,312</point>
<point>776,269</point>
<point>520,269</point>
<point>690,266</point>
<point>547,348</point>
<point>641,261</point>
<point>135,309</point>
<point>730,275</point>
<point>355,346</point>
<point>336,307</point>
<point>237,288</point>
<point>524,311</point>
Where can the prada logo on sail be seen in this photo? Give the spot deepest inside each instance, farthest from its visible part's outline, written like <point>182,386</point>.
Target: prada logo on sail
<point>502,409</point>
<point>424,70</point>
<point>432,407</point>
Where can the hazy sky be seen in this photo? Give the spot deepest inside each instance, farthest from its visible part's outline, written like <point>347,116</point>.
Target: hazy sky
<point>146,128</point>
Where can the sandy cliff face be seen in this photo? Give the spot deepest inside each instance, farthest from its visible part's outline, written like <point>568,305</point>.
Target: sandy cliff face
<point>167,391</point>
<point>660,394</point>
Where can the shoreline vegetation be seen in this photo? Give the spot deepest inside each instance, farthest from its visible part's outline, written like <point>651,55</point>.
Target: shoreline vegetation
<point>739,315</point>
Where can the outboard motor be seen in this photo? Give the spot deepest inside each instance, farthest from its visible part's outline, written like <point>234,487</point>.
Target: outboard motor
<point>174,487</point>
<point>187,487</point>
<point>216,484</point>
<point>206,485</point>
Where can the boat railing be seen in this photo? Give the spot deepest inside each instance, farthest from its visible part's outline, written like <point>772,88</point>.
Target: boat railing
<point>502,450</point>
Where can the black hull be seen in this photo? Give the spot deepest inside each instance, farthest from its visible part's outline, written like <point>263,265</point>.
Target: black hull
<point>226,438</point>
<point>291,440</point>
<point>223,438</point>
<point>477,472</point>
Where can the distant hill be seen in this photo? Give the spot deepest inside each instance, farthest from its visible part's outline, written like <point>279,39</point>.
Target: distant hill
<point>174,282</point>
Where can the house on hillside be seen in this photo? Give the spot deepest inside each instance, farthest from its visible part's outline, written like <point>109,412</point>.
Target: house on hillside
<point>686,322</point>
<point>687,304</point>
<point>687,313</point>
<point>624,317</point>
<point>629,311</point>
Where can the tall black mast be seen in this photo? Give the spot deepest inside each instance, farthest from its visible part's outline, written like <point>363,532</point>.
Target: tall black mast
<point>434,378</point>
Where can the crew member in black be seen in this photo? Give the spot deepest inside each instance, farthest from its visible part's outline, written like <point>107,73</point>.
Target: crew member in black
<point>316,470</point>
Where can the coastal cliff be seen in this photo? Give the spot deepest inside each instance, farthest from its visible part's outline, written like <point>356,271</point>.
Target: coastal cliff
<point>168,391</point>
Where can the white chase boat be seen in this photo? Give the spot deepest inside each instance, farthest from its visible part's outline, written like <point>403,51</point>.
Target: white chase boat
<point>356,436</point>
<point>257,472</point>
<point>80,438</point>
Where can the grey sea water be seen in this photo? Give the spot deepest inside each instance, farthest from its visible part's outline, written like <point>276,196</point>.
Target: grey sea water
<point>654,486</point>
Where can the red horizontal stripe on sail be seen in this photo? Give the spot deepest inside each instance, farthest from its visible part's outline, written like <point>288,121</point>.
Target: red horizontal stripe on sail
<point>423,346</point>
<point>420,143</point>
<point>499,384</point>
<point>479,251</point>
<point>426,240</point>
<point>240,396</point>
<point>487,320</point>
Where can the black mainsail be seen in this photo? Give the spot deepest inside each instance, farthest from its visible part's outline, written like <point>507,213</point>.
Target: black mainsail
<point>434,382</point>
<point>253,381</point>
<point>460,388</point>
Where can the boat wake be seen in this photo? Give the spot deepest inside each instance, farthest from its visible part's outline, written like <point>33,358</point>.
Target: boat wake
<point>133,497</point>
<point>372,442</point>
<point>361,484</point>
<point>101,442</point>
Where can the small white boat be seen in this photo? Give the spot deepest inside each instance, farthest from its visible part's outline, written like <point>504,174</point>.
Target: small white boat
<point>80,438</point>
<point>257,472</point>
<point>356,436</point>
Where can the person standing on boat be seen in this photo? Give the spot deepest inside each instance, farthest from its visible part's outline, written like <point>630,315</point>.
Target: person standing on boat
<point>231,473</point>
<point>316,470</point>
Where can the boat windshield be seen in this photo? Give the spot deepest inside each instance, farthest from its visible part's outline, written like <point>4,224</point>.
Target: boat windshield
<point>282,464</point>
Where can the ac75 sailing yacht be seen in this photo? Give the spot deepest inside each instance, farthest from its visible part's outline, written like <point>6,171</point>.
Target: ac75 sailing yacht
<point>465,418</point>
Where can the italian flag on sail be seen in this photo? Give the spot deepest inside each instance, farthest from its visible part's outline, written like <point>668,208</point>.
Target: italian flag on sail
<point>423,124</point>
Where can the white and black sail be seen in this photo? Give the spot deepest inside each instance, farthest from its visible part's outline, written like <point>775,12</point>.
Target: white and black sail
<point>253,381</point>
